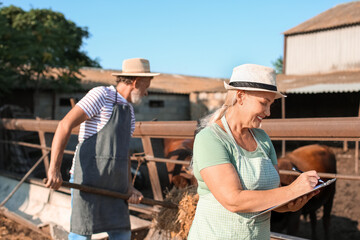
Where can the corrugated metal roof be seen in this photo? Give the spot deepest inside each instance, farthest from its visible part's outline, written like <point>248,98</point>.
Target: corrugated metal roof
<point>164,83</point>
<point>288,82</point>
<point>340,15</point>
<point>326,88</point>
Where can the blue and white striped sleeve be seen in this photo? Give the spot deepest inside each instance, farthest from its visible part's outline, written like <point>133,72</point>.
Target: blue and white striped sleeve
<point>93,101</point>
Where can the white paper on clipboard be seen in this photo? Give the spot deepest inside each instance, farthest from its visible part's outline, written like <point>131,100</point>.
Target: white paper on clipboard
<point>327,183</point>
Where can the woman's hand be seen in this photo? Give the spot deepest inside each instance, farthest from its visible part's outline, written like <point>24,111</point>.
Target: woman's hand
<point>304,183</point>
<point>298,203</point>
<point>135,196</point>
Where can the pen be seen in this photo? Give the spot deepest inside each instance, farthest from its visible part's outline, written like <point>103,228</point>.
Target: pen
<point>298,170</point>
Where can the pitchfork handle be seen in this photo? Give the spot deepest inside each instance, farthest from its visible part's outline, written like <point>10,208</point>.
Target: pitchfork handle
<point>109,193</point>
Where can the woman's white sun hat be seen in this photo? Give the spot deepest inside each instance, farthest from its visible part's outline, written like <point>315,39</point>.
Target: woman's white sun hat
<point>252,77</point>
<point>136,67</point>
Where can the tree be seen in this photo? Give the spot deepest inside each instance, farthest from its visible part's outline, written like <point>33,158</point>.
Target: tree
<point>40,48</point>
<point>278,65</point>
<point>7,73</point>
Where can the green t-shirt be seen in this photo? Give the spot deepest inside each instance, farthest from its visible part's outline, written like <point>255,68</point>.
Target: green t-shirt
<point>212,148</point>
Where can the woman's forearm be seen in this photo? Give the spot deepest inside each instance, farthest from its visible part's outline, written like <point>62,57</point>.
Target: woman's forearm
<point>225,185</point>
<point>254,200</point>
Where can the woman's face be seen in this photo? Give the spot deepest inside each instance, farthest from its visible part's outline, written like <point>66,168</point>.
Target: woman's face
<point>254,106</point>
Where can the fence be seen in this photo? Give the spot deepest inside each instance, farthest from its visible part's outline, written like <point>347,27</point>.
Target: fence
<point>319,129</point>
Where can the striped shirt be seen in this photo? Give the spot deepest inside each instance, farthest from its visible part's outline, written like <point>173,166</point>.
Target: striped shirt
<point>98,105</point>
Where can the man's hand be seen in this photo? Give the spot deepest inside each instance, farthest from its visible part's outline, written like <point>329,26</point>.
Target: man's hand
<point>135,196</point>
<point>62,134</point>
<point>54,179</point>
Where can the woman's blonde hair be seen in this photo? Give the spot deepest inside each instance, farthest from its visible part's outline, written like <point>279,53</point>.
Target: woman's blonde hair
<point>230,100</point>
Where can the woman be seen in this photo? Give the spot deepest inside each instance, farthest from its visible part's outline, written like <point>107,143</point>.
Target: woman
<point>235,163</point>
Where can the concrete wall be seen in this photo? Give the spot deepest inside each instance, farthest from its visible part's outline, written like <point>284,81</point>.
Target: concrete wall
<point>163,107</point>
<point>63,104</point>
<point>43,104</point>
<point>49,105</point>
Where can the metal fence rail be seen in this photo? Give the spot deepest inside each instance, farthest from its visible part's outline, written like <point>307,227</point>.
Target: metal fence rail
<point>322,129</point>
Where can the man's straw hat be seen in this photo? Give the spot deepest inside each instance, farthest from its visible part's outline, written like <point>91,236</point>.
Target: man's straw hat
<point>136,67</point>
<point>252,77</point>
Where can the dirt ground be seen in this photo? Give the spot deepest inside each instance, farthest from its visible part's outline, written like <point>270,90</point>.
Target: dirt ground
<point>345,214</point>
<point>10,230</point>
<point>345,222</point>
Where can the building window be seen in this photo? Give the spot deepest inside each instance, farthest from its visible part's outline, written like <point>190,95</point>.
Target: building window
<point>156,103</point>
<point>65,102</point>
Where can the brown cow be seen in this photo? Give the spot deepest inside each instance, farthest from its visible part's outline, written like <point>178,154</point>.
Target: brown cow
<point>311,157</point>
<point>179,149</point>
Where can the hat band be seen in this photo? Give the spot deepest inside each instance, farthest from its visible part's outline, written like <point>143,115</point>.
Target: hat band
<point>254,85</point>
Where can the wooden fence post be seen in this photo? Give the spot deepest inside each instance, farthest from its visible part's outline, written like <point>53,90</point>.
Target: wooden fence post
<point>357,156</point>
<point>153,173</point>
<point>283,115</point>
<point>72,102</point>
<point>345,146</point>
<point>44,151</point>
<point>283,148</point>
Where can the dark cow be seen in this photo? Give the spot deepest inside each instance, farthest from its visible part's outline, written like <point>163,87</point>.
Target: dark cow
<point>311,157</point>
<point>179,149</point>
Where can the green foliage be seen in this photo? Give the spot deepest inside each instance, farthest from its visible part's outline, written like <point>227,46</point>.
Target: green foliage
<point>40,49</point>
<point>278,65</point>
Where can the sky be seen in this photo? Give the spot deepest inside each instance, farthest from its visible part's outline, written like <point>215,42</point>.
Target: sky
<point>205,38</point>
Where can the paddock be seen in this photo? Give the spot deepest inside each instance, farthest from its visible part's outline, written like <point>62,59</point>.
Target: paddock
<point>344,130</point>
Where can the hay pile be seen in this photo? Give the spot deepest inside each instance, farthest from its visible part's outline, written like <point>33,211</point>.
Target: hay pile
<point>177,222</point>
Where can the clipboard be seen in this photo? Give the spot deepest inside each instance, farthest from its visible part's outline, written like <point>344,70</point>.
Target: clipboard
<point>327,183</point>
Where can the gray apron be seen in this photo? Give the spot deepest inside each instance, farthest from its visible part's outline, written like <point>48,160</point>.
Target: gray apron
<point>102,161</point>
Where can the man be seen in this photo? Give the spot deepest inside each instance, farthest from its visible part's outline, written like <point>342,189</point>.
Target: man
<point>101,157</point>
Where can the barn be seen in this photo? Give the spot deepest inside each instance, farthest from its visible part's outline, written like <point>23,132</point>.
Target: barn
<point>321,65</point>
<point>171,97</point>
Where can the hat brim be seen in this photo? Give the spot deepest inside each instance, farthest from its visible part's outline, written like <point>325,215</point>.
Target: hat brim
<point>278,94</point>
<point>136,74</point>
